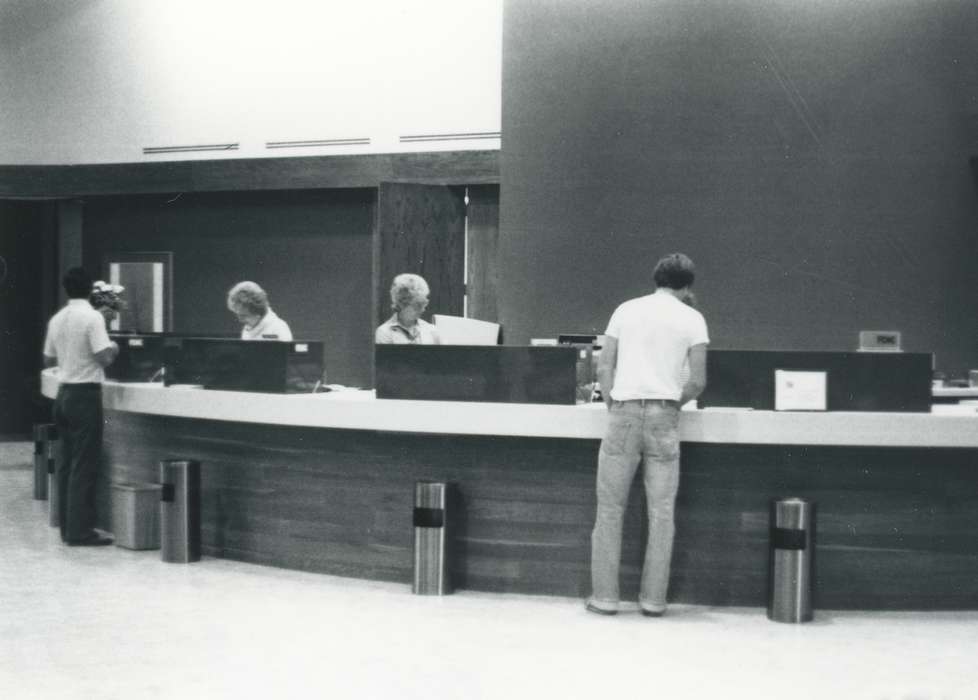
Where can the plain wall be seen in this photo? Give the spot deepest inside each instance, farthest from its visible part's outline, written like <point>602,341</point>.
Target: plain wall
<point>812,158</point>
<point>310,250</point>
<point>96,81</point>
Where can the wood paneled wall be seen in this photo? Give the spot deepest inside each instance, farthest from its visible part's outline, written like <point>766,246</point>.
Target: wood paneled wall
<point>421,230</point>
<point>483,252</point>
<point>896,527</point>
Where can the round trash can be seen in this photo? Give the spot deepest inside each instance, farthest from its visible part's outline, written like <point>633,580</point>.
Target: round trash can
<point>136,515</point>
<point>180,510</point>
<point>791,560</point>
<point>432,503</point>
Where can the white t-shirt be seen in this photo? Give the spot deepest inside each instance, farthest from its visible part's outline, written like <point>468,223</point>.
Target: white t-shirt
<point>654,334</point>
<point>75,334</point>
<point>269,325</point>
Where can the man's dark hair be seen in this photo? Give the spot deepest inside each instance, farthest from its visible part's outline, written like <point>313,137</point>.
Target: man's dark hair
<point>674,271</point>
<point>77,283</point>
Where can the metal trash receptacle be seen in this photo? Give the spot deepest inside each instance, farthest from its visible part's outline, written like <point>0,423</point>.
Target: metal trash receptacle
<point>791,560</point>
<point>180,510</point>
<point>136,515</point>
<point>45,436</point>
<point>54,495</point>
<point>432,508</point>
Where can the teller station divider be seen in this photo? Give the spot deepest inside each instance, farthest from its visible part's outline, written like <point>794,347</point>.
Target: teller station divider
<point>488,373</point>
<point>266,366</point>
<point>854,381</point>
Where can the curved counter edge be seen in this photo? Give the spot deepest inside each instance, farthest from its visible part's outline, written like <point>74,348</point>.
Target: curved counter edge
<point>360,410</point>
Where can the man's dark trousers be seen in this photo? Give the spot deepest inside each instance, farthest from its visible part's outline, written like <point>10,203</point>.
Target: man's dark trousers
<point>78,415</point>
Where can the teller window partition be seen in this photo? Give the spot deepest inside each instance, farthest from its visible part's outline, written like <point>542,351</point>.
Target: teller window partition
<point>147,278</point>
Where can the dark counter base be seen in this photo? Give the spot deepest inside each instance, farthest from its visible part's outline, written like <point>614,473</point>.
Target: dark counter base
<point>896,527</point>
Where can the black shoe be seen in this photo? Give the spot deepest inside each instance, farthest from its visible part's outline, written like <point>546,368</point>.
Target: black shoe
<point>652,613</point>
<point>92,540</point>
<point>591,607</point>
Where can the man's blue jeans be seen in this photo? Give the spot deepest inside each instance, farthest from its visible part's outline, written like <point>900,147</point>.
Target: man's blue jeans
<point>645,432</point>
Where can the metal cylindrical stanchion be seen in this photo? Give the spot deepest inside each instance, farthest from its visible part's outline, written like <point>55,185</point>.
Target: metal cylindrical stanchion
<point>432,505</point>
<point>136,515</point>
<point>45,435</point>
<point>180,510</point>
<point>791,560</point>
<point>54,495</point>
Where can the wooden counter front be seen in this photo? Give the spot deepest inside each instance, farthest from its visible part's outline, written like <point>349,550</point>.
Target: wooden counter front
<point>897,523</point>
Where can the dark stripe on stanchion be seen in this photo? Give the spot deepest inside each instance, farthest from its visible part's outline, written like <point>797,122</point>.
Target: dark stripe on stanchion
<point>784,538</point>
<point>168,493</point>
<point>429,517</point>
<point>38,446</point>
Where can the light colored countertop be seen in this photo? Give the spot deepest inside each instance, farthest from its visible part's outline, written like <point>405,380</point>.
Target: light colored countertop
<point>961,392</point>
<point>360,410</point>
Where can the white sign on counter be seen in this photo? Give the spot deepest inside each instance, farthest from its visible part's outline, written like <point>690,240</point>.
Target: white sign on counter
<point>796,390</point>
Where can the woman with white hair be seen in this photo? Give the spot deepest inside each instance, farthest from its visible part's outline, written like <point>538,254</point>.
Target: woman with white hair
<point>409,299</point>
<point>249,303</point>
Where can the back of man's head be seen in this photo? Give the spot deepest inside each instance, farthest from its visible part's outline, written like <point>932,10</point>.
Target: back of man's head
<point>674,271</point>
<point>77,283</point>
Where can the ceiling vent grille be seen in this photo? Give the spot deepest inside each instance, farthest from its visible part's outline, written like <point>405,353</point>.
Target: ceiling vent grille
<point>471,136</point>
<point>154,150</point>
<point>317,143</point>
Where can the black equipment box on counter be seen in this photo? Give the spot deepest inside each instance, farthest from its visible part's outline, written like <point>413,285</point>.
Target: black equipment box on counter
<point>854,381</point>
<point>270,366</point>
<point>140,358</point>
<point>494,373</point>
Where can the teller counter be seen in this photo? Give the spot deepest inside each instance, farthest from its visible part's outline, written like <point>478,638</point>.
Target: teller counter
<point>324,483</point>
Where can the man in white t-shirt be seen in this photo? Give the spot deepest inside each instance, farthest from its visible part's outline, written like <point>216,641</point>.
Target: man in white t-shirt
<point>79,345</point>
<point>641,373</point>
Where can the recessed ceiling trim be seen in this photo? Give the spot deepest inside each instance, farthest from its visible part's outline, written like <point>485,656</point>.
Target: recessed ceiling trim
<point>153,150</point>
<point>316,143</point>
<point>470,136</point>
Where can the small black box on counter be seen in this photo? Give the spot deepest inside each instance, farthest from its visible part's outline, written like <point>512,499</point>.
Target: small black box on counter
<point>140,358</point>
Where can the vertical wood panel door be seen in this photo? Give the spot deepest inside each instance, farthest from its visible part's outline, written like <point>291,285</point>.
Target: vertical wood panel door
<point>483,244</point>
<point>421,229</point>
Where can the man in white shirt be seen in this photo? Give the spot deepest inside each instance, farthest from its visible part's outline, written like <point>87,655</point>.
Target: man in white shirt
<point>647,344</point>
<point>79,345</point>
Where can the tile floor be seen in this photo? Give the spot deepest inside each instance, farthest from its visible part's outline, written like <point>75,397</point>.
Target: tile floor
<point>106,623</point>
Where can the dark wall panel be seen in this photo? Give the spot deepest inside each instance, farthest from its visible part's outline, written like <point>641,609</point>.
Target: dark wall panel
<point>310,250</point>
<point>27,298</point>
<point>221,175</point>
<point>812,159</point>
